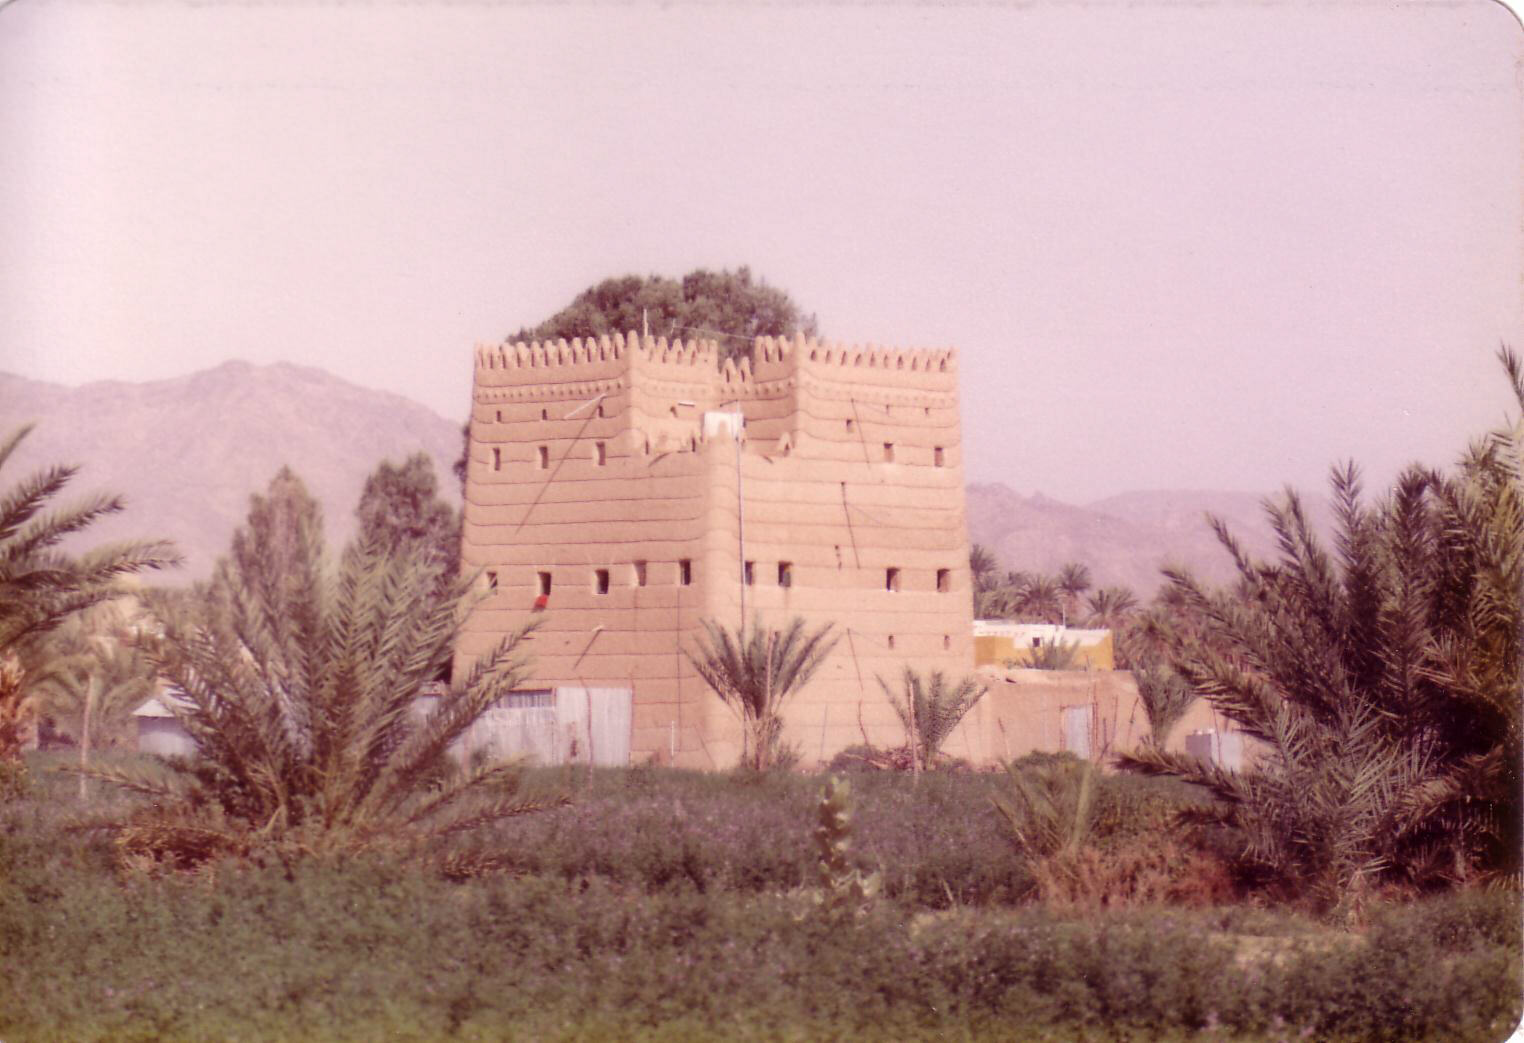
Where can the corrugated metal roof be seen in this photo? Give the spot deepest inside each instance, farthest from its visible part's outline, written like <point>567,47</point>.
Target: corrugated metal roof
<point>157,705</point>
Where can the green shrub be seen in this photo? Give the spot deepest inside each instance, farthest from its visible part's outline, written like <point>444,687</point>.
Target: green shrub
<point>375,947</point>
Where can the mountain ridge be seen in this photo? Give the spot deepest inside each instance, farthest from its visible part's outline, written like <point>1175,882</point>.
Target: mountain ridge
<point>187,452</point>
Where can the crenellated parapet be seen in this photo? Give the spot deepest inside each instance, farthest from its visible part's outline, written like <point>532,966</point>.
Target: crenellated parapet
<point>769,356</point>
<point>820,355</point>
<point>660,388</point>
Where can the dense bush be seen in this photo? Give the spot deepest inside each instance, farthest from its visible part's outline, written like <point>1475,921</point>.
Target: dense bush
<point>658,830</point>
<point>371,947</point>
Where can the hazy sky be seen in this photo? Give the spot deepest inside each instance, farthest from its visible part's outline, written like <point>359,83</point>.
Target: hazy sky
<point>1177,245</point>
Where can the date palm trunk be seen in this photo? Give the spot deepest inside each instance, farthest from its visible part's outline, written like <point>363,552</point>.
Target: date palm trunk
<point>92,691</point>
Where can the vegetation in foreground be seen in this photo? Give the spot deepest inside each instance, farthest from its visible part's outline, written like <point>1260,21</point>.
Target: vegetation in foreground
<point>267,893</point>
<point>374,946</point>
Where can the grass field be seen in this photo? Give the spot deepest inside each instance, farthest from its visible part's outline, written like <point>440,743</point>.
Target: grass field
<point>674,906</point>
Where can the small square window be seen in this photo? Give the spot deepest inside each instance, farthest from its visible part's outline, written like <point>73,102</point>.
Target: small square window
<point>785,573</point>
<point>751,573</point>
<point>888,452</point>
<point>938,458</point>
<point>1037,642</point>
<point>600,581</point>
<point>543,584</point>
<point>892,579</point>
<point>850,425</point>
<point>544,414</point>
<point>600,453</point>
<point>640,573</point>
<point>492,580</point>
<point>685,572</point>
<point>542,457</point>
<point>499,416</point>
<point>497,459</point>
<point>944,580</point>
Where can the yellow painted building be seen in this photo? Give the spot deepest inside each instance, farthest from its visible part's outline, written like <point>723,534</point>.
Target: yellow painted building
<point>1000,643</point>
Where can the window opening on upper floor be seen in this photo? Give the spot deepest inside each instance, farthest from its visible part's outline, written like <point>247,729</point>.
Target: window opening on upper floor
<point>544,414</point>
<point>685,572</point>
<point>542,457</point>
<point>600,581</point>
<point>944,580</point>
<point>600,453</point>
<point>492,580</point>
<point>542,584</point>
<point>749,574</point>
<point>785,573</point>
<point>892,579</point>
<point>639,569</point>
<point>938,457</point>
<point>497,459</point>
<point>888,452</point>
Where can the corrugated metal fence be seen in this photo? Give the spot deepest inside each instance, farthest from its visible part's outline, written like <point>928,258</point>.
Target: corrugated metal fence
<point>555,726</point>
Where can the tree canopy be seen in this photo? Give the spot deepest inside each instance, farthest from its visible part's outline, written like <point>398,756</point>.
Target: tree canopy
<point>731,307</point>
<point>400,507</point>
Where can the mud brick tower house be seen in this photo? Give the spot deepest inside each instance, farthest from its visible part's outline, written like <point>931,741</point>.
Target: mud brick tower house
<point>625,488</point>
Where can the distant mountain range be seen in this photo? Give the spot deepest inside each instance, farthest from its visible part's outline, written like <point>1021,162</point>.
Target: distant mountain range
<point>187,452</point>
<point>1124,539</point>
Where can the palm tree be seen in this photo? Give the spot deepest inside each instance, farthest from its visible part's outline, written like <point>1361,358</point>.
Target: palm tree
<point>1112,608</point>
<point>309,738</point>
<point>1073,580</point>
<point>982,563</point>
<point>1055,655</point>
<point>1041,602</point>
<point>930,709</point>
<point>754,672</point>
<point>40,586</point>
<point>1382,681</point>
<point>1165,696</point>
<point>89,684</point>
<point>982,566</point>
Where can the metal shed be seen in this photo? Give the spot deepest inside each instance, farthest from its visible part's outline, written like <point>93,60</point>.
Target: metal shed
<point>159,730</point>
<point>566,724</point>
